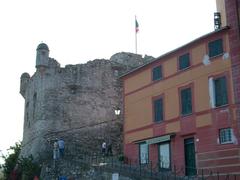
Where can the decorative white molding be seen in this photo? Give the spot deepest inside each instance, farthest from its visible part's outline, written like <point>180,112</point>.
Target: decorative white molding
<point>225,56</point>
<point>234,138</point>
<point>206,60</point>
<point>211,92</point>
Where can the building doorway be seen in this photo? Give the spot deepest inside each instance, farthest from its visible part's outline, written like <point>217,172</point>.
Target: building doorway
<point>190,161</point>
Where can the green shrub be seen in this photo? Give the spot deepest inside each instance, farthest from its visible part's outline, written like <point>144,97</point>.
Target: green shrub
<point>121,157</point>
<point>29,168</point>
<point>10,160</point>
<point>24,167</point>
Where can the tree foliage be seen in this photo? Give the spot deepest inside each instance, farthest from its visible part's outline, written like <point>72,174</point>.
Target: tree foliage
<point>21,167</point>
<point>11,160</point>
<point>29,168</point>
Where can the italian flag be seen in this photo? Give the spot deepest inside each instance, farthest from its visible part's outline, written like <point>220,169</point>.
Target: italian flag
<point>136,26</point>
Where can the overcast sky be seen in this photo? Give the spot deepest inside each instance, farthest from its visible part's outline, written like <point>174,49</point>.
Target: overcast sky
<point>77,31</point>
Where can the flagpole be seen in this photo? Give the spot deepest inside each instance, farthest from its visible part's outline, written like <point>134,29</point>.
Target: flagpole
<point>135,36</point>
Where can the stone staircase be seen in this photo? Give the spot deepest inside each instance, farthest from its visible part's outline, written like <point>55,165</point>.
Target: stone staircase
<point>86,166</point>
<point>92,165</point>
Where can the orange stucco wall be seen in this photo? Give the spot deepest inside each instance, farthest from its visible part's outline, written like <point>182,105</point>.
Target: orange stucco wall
<point>135,82</point>
<point>197,53</point>
<point>147,133</point>
<point>203,127</point>
<point>171,108</point>
<point>203,120</point>
<point>173,127</point>
<point>137,113</point>
<point>140,90</point>
<point>170,67</point>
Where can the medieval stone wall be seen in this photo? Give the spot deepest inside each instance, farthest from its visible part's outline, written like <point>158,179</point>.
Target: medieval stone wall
<point>75,103</point>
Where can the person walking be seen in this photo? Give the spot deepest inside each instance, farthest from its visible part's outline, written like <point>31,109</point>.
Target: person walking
<point>55,150</point>
<point>104,148</point>
<point>61,147</point>
<point>109,149</point>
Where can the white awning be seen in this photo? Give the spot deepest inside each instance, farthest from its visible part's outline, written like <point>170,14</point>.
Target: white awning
<point>156,140</point>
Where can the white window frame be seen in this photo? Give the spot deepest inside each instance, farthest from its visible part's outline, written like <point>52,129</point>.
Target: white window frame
<point>224,137</point>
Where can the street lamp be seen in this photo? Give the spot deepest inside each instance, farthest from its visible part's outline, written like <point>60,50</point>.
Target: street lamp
<point>117,111</point>
<point>117,130</point>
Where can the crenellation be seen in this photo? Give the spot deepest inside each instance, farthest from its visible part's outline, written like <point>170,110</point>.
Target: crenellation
<point>54,63</point>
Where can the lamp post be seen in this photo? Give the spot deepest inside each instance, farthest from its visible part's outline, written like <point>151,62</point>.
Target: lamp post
<point>112,124</point>
<point>111,131</point>
<point>117,111</point>
<point>118,128</point>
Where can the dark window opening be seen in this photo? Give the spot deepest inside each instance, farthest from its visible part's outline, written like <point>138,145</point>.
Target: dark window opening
<point>157,73</point>
<point>158,110</point>
<point>186,101</point>
<point>220,86</point>
<point>215,48</point>
<point>184,61</point>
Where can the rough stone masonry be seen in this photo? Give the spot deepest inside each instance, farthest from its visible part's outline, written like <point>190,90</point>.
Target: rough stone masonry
<point>75,103</point>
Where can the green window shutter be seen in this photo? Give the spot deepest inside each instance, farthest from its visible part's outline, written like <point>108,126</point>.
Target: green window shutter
<point>215,47</point>
<point>157,73</point>
<point>158,110</point>
<point>186,101</point>
<point>184,61</point>
<point>220,91</point>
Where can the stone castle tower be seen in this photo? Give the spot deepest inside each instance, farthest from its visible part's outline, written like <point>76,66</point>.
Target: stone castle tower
<point>75,103</point>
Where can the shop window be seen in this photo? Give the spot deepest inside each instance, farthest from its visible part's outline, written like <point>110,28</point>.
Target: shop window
<point>143,153</point>
<point>164,156</point>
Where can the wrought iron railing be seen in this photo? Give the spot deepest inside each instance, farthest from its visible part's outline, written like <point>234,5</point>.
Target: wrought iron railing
<point>133,169</point>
